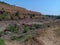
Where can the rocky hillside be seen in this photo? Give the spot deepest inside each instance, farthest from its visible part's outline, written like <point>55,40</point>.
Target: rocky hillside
<point>19,26</point>
<point>13,12</point>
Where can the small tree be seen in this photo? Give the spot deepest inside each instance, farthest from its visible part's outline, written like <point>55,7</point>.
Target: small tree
<point>57,17</point>
<point>32,15</point>
<point>17,13</point>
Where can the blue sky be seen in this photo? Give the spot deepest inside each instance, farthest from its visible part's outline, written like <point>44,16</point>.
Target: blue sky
<point>44,6</point>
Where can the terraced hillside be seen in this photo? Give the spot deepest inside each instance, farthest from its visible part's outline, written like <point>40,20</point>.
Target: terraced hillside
<point>19,26</point>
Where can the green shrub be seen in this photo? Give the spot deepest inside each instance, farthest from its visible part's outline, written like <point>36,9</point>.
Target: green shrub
<point>32,15</point>
<point>36,26</point>
<point>17,37</point>
<point>21,37</point>
<point>57,17</point>
<point>17,13</point>
<point>1,33</point>
<point>11,28</point>
<point>2,42</point>
<point>17,30</point>
<point>14,38</point>
<point>26,29</point>
<point>4,15</point>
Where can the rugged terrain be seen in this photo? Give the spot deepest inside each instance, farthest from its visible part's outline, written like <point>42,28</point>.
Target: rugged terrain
<point>19,26</point>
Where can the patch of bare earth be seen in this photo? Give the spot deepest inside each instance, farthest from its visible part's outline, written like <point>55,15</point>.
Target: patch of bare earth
<point>49,38</point>
<point>12,43</point>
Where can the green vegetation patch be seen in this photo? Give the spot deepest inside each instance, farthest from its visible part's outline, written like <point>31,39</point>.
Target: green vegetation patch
<point>11,28</point>
<point>2,42</point>
<point>4,15</point>
<point>26,29</point>
<point>1,32</point>
<point>36,26</point>
<point>17,38</point>
<point>17,13</point>
<point>32,15</point>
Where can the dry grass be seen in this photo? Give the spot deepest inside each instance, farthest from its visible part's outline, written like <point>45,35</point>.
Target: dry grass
<point>57,32</point>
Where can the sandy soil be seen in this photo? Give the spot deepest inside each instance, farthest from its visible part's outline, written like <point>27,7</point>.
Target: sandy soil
<point>49,38</point>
